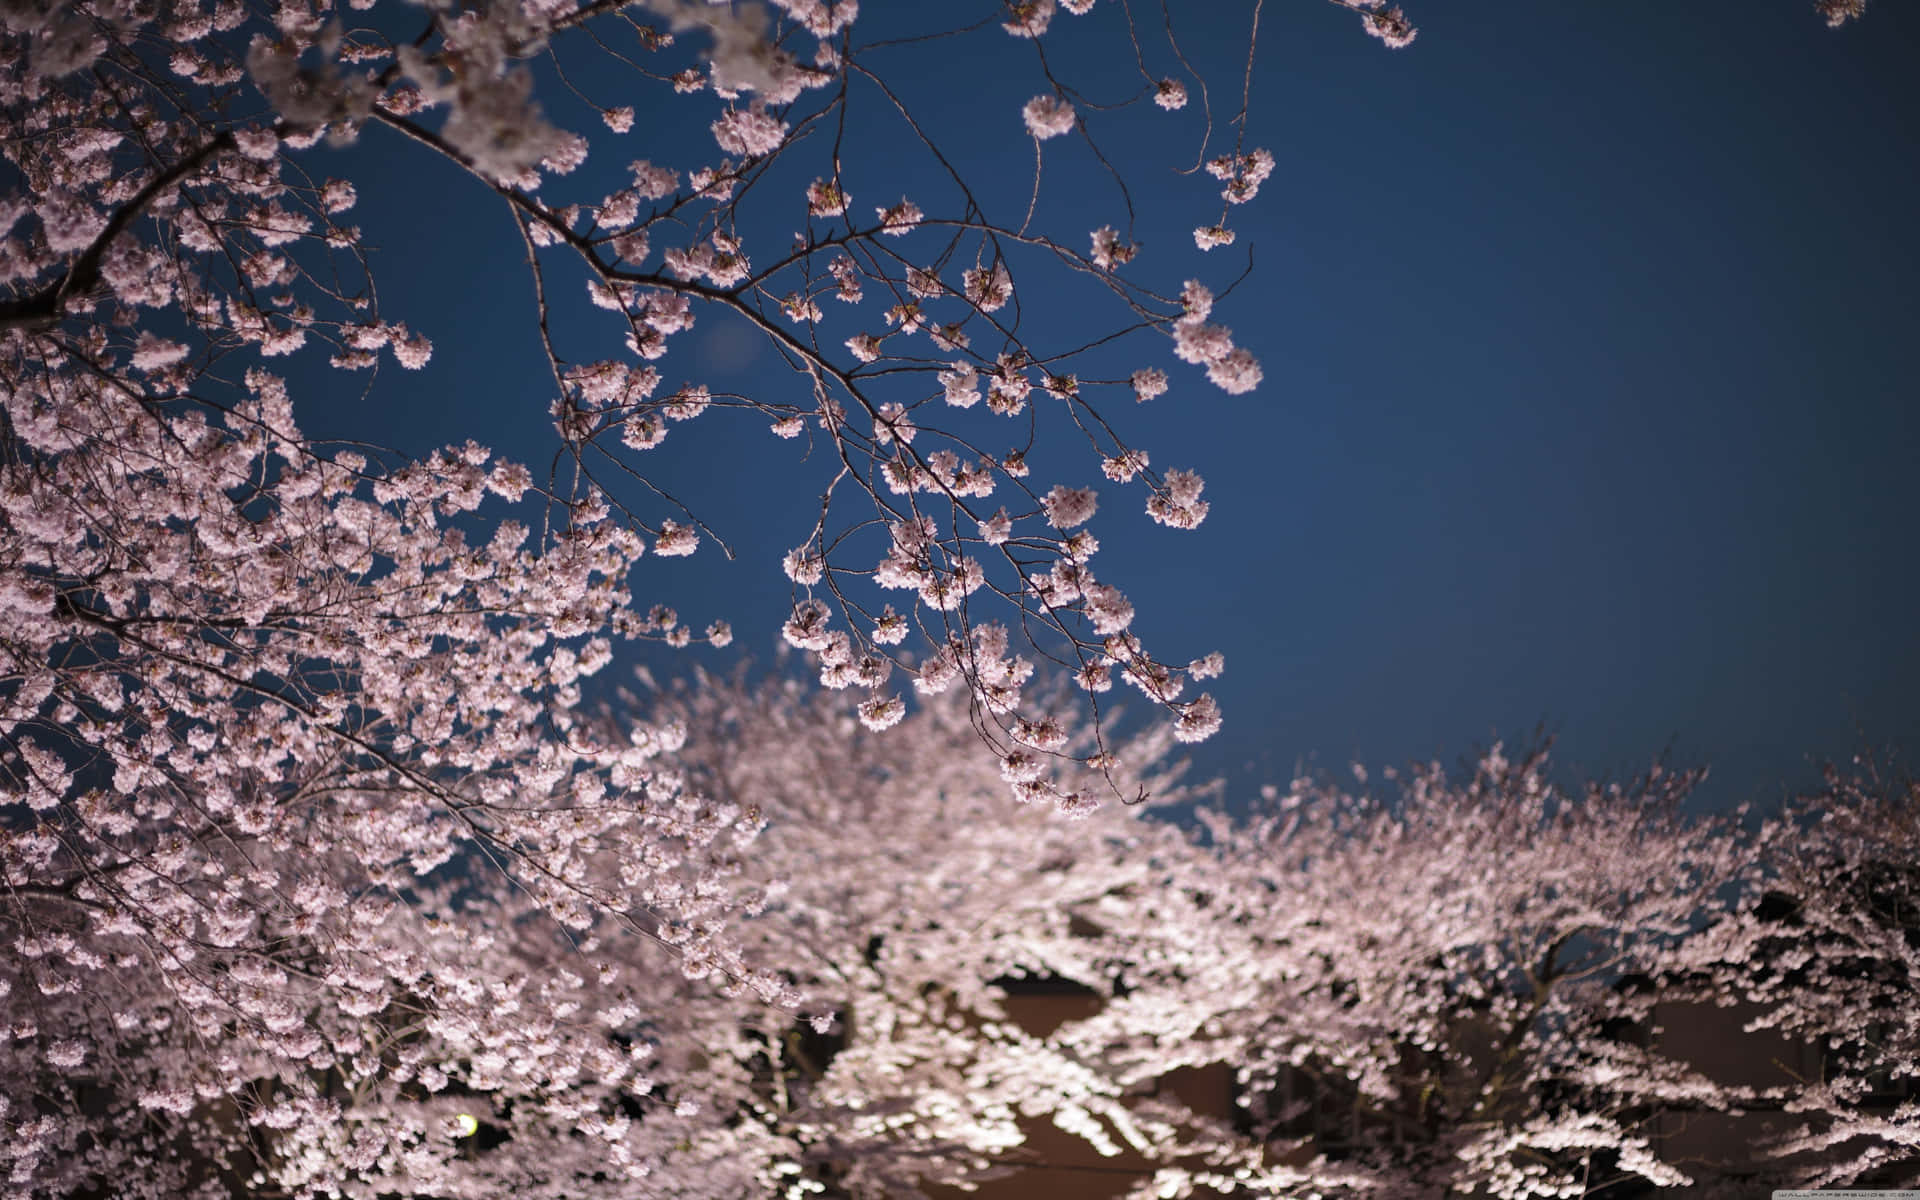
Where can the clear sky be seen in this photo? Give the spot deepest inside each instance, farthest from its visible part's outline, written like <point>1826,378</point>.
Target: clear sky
<point>1589,335</point>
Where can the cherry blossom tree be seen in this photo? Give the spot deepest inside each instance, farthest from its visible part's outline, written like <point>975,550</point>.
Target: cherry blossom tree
<point>173,219</point>
<point>1458,988</point>
<point>174,226</point>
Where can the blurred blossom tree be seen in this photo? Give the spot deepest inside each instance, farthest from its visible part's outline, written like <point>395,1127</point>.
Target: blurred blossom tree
<point>1830,956</point>
<point>1458,988</point>
<point>315,874</point>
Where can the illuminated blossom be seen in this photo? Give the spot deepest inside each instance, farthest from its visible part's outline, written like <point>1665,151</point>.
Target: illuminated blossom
<point>1209,237</point>
<point>749,132</point>
<point>900,219</point>
<point>1028,18</point>
<point>1067,507</point>
<point>987,288</point>
<point>826,198</point>
<point>1391,26</point>
<point>1108,250</point>
<point>1047,116</point>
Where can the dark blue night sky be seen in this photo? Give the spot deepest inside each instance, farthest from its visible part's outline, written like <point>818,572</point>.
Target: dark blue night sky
<point>1588,333</point>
